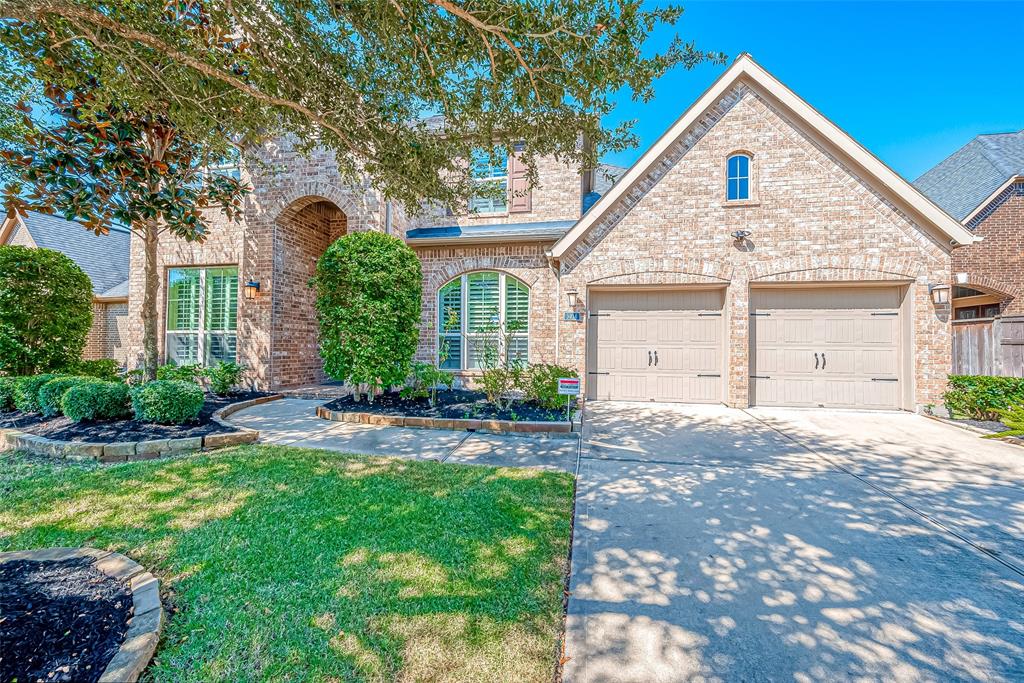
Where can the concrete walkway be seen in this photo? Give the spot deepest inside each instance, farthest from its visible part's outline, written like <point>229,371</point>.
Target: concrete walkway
<point>293,422</point>
<point>788,545</point>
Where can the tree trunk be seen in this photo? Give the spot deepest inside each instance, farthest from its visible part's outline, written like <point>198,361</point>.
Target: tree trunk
<point>150,316</point>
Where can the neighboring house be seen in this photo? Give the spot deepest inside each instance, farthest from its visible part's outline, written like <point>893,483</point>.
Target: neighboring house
<point>755,254</point>
<point>982,185</point>
<point>104,258</point>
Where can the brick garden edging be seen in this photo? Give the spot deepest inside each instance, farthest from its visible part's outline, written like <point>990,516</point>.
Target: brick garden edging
<point>137,450</point>
<point>147,618</point>
<point>520,428</point>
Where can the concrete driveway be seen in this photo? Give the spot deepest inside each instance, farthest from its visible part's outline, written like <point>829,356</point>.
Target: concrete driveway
<point>791,545</point>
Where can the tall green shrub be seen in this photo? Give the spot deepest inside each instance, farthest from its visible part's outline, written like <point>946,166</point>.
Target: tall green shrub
<point>8,385</point>
<point>368,292</point>
<point>26,393</point>
<point>45,310</point>
<point>981,396</point>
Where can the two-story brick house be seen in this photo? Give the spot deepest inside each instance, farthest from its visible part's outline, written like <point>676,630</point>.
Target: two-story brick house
<point>755,254</point>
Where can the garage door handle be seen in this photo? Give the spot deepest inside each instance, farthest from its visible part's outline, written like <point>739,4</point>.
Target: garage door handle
<point>815,361</point>
<point>650,359</point>
<point>655,359</point>
<point>822,360</point>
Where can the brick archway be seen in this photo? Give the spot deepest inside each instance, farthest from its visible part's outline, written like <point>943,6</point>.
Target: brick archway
<point>302,232</point>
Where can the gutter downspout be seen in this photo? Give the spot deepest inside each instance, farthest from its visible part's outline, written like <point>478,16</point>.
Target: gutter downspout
<point>558,297</point>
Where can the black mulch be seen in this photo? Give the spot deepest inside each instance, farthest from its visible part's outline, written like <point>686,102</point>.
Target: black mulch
<point>63,429</point>
<point>460,404</point>
<point>59,621</point>
<point>992,426</point>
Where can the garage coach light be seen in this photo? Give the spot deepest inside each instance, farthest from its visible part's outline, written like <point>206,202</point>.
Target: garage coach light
<point>573,297</point>
<point>252,288</point>
<point>940,294</point>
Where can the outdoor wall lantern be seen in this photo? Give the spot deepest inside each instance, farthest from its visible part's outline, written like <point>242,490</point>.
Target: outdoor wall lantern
<point>252,288</point>
<point>940,294</point>
<point>574,298</point>
<point>740,235</point>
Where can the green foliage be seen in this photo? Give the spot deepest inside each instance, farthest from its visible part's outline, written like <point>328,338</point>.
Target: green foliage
<point>181,373</point>
<point>106,369</point>
<point>8,385</point>
<point>45,310</point>
<point>97,400</point>
<point>1012,417</point>
<point>542,385</point>
<point>424,381</point>
<point>51,393</point>
<point>981,397</point>
<point>368,291</point>
<point>501,383</point>
<point>224,377</point>
<point>26,393</point>
<point>350,76</point>
<point>167,402</point>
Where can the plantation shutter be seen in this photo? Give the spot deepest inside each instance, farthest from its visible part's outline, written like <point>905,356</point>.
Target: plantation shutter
<point>517,318</point>
<point>183,316</point>
<point>450,326</point>
<point>520,194</point>
<point>482,301</point>
<point>221,315</point>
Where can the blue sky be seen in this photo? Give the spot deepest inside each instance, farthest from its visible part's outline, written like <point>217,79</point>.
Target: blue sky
<point>911,81</point>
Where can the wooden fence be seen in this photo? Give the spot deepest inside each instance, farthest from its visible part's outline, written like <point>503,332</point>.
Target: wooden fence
<point>992,346</point>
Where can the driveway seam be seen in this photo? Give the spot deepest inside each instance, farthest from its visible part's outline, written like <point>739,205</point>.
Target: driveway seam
<point>923,515</point>
<point>456,447</point>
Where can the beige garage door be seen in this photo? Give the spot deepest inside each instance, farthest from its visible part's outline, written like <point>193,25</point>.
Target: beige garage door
<point>826,347</point>
<point>655,345</point>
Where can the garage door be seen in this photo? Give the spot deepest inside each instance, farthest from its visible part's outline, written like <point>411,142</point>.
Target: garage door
<point>826,347</point>
<point>655,345</point>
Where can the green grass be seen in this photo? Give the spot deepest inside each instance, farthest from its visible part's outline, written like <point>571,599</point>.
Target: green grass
<point>304,565</point>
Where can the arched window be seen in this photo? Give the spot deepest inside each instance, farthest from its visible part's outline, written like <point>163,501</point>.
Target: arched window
<point>738,177</point>
<point>482,313</point>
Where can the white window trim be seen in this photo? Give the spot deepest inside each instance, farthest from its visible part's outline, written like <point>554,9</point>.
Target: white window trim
<point>465,335</point>
<point>200,333</point>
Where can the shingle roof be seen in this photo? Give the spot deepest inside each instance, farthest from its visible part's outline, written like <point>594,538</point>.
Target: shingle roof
<point>104,258</point>
<point>606,176</point>
<point>538,230</point>
<point>968,176</point>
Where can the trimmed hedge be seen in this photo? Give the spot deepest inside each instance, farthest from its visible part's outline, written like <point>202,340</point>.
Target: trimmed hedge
<point>167,402</point>
<point>51,393</point>
<point>97,400</point>
<point>106,369</point>
<point>982,397</point>
<point>26,393</point>
<point>8,385</point>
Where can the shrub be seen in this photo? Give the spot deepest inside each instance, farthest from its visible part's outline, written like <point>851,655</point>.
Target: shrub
<point>7,388</point>
<point>51,393</point>
<point>45,310</point>
<point>97,400</point>
<point>26,393</point>
<point>982,397</point>
<point>368,291</point>
<point>542,384</point>
<point>106,369</point>
<point>424,381</point>
<point>1013,418</point>
<point>181,373</point>
<point>167,401</point>
<point>500,383</point>
<point>224,377</point>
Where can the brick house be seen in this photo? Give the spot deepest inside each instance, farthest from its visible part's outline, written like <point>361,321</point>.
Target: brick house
<point>104,258</point>
<point>755,254</point>
<point>982,185</point>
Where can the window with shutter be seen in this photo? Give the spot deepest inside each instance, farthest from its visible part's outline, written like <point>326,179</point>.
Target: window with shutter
<point>520,195</point>
<point>202,315</point>
<point>490,175</point>
<point>475,311</point>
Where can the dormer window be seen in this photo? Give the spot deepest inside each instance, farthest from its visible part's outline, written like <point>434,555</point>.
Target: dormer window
<point>738,177</point>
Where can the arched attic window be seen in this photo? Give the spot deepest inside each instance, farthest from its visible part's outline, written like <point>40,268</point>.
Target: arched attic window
<point>480,311</point>
<point>737,184</point>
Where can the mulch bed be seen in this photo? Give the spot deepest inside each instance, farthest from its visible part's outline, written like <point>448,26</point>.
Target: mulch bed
<point>115,431</point>
<point>992,426</point>
<point>457,404</point>
<point>60,621</point>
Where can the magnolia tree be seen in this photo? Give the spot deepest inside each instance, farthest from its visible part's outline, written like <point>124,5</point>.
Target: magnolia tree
<point>116,166</point>
<point>359,77</point>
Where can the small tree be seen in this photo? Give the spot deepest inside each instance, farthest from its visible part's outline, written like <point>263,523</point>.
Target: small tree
<point>368,293</point>
<point>45,310</point>
<point>119,166</point>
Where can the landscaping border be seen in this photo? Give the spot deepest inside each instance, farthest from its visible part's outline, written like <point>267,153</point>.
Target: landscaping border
<point>129,451</point>
<point>147,618</point>
<point>1012,440</point>
<point>563,430</point>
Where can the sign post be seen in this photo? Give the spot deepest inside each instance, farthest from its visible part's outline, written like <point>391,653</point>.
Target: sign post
<point>569,387</point>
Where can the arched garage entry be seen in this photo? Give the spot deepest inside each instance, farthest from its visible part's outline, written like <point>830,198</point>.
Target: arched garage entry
<point>302,233</point>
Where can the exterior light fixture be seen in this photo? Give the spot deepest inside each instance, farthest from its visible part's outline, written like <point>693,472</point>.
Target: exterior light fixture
<point>741,235</point>
<point>252,288</point>
<point>940,294</point>
<point>574,297</point>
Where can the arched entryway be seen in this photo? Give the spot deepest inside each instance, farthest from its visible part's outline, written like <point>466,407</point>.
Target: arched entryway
<point>302,233</point>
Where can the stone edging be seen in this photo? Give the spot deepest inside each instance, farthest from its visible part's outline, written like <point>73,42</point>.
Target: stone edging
<point>563,430</point>
<point>147,618</point>
<point>1012,440</point>
<point>137,450</point>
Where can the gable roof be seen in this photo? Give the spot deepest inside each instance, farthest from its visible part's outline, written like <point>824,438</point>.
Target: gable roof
<point>104,258</point>
<point>746,69</point>
<point>968,178</point>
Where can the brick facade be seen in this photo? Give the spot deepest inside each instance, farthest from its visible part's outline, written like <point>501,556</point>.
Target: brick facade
<point>108,334</point>
<point>996,264</point>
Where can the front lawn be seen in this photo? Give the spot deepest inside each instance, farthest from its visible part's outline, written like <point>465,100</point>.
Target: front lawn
<point>304,565</point>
